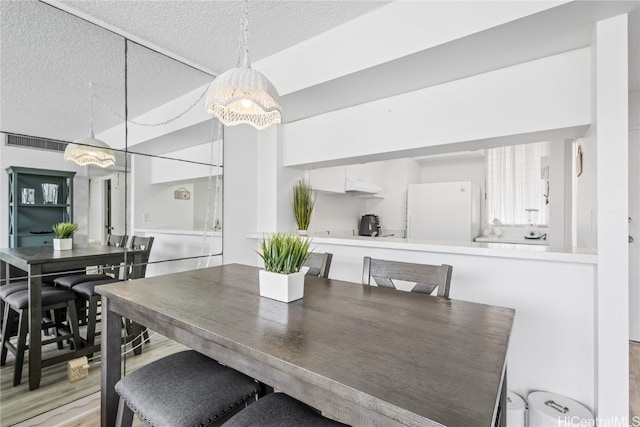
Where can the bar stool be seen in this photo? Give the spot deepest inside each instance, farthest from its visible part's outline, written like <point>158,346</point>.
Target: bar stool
<point>280,410</point>
<point>52,299</point>
<point>183,389</point>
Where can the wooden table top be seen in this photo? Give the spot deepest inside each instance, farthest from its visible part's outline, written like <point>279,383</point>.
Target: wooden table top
<point>39,254</point>
<point>413,358</point>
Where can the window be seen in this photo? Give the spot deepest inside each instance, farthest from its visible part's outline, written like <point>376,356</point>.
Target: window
<point>515,183</point>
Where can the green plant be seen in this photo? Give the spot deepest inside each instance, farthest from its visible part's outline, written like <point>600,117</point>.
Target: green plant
<point>303,203</point>
<point>284,253</point>
<point>64,230</point>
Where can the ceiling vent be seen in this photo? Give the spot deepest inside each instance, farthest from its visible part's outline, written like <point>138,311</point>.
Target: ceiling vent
<point>37,143</point>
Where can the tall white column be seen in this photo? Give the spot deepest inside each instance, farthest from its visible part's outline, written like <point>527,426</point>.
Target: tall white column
<point>611,121</point>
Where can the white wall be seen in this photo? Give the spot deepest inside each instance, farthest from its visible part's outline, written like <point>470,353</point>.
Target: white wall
<point>612,186</point>
<point>634,214</point>
<point>154,205</point>
<point>240,194</point>
<point>548,94</point>
<point>393,176</point>
<point>337,213</point>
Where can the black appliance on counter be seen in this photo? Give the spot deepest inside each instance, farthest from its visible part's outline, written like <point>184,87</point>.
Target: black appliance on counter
<point>369,224</point>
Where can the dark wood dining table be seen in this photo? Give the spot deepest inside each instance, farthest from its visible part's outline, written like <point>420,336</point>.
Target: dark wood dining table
<point>363,355</point>
<point>42,261</point>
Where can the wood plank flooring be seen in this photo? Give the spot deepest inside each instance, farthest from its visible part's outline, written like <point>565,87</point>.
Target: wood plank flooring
<point>634,380</point>
<point>91,417</point>
<point>19,404</point>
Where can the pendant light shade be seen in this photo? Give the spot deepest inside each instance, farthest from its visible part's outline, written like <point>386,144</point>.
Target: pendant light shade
<point>90,151</point>
<point>243,95</point>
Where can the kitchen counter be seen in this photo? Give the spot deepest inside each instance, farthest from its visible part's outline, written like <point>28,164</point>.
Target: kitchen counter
<point>490,249</point>
<point>512,239</point>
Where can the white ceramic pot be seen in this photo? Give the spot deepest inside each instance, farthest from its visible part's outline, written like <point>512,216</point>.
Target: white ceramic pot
<point>62,244</point>
<point>281,287</point>
<point>302,232</point>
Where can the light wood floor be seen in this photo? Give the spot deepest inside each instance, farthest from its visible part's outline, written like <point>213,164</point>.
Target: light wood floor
<point>634,379</point>
<point>19,404</point>
<point>91,417</point>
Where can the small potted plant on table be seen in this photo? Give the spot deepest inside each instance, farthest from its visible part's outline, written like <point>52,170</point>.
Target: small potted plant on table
<point>303,203</point>
<point>63,233</point>
<point>283,255</point>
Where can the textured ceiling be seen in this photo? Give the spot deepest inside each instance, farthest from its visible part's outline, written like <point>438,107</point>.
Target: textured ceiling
<point>207,32</point>
<point>49,56</point>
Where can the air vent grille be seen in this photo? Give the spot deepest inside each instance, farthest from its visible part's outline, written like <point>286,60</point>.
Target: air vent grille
<point>37,143</point>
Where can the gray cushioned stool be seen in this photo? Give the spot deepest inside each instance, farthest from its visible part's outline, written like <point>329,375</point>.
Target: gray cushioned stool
<point>68,282</point>
<point>280,410</point>
<point>52,299</point>
<point>183,389</point>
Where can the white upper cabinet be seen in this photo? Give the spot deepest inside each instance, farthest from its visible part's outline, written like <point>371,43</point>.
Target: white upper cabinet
<point>354,179</point>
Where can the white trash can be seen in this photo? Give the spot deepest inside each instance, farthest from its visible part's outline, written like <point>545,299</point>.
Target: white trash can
<point>516,410</point>
<point>553,410</point>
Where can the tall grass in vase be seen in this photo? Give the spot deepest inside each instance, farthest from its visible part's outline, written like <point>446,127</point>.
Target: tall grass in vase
<point>303,203</point>
<point>283,255</point>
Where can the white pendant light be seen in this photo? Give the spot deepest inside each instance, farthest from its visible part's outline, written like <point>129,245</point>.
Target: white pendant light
<point>243,95</point>
<point>90,151</point>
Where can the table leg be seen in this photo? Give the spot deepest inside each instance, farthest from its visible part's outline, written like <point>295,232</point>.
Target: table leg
<point>4,272</point>
<point>35,325</point>
<point>111,362</point>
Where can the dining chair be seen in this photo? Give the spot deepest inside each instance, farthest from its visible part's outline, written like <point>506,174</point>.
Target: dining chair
<point>426,277</point>
<point>106,272</point>
<point>280,410</point>
<point>53,299</point>
<point>183,389</point>
<point>319,264</point>
<point>86,291</point>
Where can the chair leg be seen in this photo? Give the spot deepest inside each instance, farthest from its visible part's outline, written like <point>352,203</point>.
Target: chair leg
<point>145,335</point>
<point>125,415</point>
<point>23,327</point>
<point>137,340</point>
<point>57,321</point>
<point>92,319</point>
<point>7,328</point>
<point>74,326</point>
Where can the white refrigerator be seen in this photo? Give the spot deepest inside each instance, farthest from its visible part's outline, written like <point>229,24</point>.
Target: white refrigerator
<point>443,211</point>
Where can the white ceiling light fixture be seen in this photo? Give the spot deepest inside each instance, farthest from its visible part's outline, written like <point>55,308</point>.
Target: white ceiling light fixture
<point>243,95</point>
<point>90,151</point>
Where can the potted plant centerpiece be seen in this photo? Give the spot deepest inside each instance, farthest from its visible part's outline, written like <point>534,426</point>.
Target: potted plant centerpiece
<point>63,233</point>
<point>283,255</point>
<point>303,203</point>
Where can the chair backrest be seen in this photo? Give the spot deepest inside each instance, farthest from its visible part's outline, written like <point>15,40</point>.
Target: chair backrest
<point>116,240</point>
<point>146,243</point>
<point>426,277</point>
<point>319,264</point>
<point>119,241</point>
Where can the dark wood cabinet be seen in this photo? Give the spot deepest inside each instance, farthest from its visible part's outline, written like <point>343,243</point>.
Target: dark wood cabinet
<point>38,199</point>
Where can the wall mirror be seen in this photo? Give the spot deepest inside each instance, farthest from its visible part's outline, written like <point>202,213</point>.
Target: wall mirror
<point>167,180</point>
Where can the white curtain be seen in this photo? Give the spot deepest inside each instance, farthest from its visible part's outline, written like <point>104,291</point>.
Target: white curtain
<point>514,183</point>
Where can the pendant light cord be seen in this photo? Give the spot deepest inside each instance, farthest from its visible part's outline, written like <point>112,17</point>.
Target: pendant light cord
<point>216,135</point>
<point>91,108</point>
<point>243,39</point>
<point>150,124</point>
